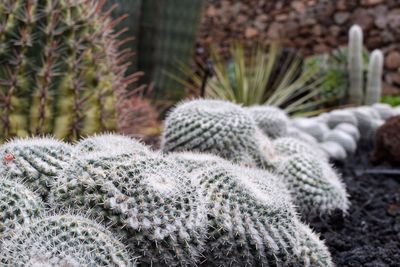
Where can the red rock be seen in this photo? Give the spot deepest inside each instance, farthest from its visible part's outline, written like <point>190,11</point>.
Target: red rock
<point>387,142</point>
<point>371,2</point>
<point>392,60</point>
<point>250,32</point>
<point>341,17</point>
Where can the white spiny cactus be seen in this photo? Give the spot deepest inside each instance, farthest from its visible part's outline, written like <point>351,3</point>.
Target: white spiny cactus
<point>36,161</point>
<point>18,205</point>
<point>287,146</point>
<point>312,127</point>
<point>63,240</point>
<point>341,116</point>
<point>217,127</point>
<point>148,199</point>
<point>350,129</point>
<point>315,187</point>
<point>271,120</point>
<point>342,138</point>
<point>374,79</point>
<point>385,110</point>
<point>334,150</point>
<point>355,65</point>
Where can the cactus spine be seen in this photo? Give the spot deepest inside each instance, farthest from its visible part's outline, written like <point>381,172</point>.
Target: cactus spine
<point>355,65</point>
<point>374,79</point>
<point>60,67</point>
<point>64,240</point>
<point>18,205</point>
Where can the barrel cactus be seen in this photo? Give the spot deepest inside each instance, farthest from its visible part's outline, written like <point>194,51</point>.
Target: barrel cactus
<point>315,187</point>
<point>271,120</point>
<point>252,221</point>
<point>106,142</point>
<point>287,146</point>
<point>18,205</point>
<point>217,127</point>
<point>60,68</point>
<point>147,199</point>
<point>63,240</point>
<point>36,161</point>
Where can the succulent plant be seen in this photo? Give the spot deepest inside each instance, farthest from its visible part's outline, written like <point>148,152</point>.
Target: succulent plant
<point>315,187</point>
<point>301,135</point>
<point>342,138</point>
<point>217,127</point>
<point>193,161</point>
<point>349,129</point>
<point>355,65</point>
<point>374,78</point>
<point>287,146</point>
<point>334,150</point>
<point>271,120</point>
<point>35,161</point>
<point>311,127</point>
<point>341,116</point>
<point>385,111</point>
<point>18,205</point>
<point>147,199</point>
<point>106,142</point>
<point>251,221</point>
<point>368,121</point>
<point>60,68</point>
<point>63,240</point>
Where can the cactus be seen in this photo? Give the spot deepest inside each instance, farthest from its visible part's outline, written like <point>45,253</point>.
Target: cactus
<point>147,199</point>
<point>107,142</point>
<point>334,150</point>
<point>374,79</point>
<point>315,187</point>
<point>194,161</point>
<point>355,65</point>
<point>18,205</point>
<point>36,161</point>
<point>60,68</point>
<point>287,146</point>
<point>342,138</point>
<point>385,111</point>
<point>300,135</point>
<point>311,127</point>
<point>341,116</point>
<point>349,129</point>
<point>271,120</point>
<point>217,127</point>
<point>252,221</point>
<point>63,240</point>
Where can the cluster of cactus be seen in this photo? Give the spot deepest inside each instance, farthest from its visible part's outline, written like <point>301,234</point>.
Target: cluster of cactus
<point>175,209</point>
<point>229,131</point>
<point>357,94</point>
<point>61,68</point>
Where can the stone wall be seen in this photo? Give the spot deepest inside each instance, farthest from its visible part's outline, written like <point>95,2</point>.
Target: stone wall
<point>312,26</point>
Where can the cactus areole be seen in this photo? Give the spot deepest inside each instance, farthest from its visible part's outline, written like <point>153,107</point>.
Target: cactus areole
<point>60,68</point>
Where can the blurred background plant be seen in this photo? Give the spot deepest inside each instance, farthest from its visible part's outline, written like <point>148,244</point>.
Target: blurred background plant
<point>278,78</point>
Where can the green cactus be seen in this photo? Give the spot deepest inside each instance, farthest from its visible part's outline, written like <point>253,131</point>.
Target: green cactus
<point>374,79</point>
<point>18,205</point>
<point>60,68</point>
<point>35,161</point>
<point>217,127</point>
<point>147,199</point>
<point>63,240</point>
<point>355,65</point>
<point>252,221</point>
<point>107,142</point>
<point>315,187</point>
<point>271,120</point>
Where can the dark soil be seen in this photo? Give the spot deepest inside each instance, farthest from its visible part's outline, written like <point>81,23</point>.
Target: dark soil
<point>370,234</point>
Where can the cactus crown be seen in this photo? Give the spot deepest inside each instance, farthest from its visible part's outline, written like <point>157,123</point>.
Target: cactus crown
<point>36,161</point>
<point>63,241</point>
<point>217,127</point>
<point>271,120</point>
<point>60,66</point>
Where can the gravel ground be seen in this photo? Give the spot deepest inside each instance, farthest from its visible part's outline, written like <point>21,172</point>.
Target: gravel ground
<point>370,234</point>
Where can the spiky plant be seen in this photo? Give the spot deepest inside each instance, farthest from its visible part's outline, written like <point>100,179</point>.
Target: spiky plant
<point>374,80</point>
<point>18,205</point>
<point>251,80</point>
<point>147,199</point>
<point>355,65</point>
<point>36,161</point>
<point>60,68</point>
<point>63,240</point>
<point>217,127</point>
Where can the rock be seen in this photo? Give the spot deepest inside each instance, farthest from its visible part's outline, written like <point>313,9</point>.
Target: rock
<point>371,2</point>
<point>341,17</point>
<point>392,60</point>
<point>250,32</point>
<point>363,18</point>
<point>387,142</point>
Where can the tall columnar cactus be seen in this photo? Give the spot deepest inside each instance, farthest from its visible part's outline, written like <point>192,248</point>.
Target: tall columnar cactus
<point>217,127</point>
<point>18,205</point>
<point>147,199</point>
<point>60,68</point>
<point>109,142</point>
<point>63,240</point>
<point>36,161</point>
<point>252,222</point>
<point>271,120</point>
<point>314,185</point>
<point>355,65</point>
<point>374,79</point>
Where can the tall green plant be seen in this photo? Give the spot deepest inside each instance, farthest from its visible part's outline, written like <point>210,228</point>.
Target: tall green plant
<point>253,79</point>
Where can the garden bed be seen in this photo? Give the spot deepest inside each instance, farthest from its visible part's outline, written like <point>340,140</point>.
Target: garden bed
<point>370,234</point>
